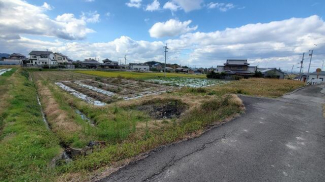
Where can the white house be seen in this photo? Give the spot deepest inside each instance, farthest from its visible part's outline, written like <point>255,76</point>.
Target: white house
<point>60,58</point>
<point>320,77</point>
<point>42,58</point>
<point>139,67</point>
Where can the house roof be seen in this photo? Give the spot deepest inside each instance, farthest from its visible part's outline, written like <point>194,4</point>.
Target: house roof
<point>138,64</point>
<point>320,73</point>
<point>236,62</point>
<point>38,53</point>
<point>60,54</point>
<point>17,55</point>
<point>264,70</point>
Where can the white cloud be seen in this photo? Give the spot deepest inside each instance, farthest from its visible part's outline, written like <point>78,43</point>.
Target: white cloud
<point>273,44</point>
<point>170,28</point>
<point>91,17</point>
<point>33,21</point>
<point>188,6</point>
<point>221,6</point>
<point>154,6</point>
<point>108,14</point>
<point>89,1</point>
<point>47,6</point>
<point>171,6</point>
<point>134,3</point>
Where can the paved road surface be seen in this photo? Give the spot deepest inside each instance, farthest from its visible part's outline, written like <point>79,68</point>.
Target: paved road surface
<point>275,140</point>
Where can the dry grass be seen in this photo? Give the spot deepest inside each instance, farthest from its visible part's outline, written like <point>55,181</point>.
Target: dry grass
<point>59,121</point>
<point>138,75</point>
<point>258,87</point>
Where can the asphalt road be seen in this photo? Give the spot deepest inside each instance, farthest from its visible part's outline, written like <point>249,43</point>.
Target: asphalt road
<point>275,140</point>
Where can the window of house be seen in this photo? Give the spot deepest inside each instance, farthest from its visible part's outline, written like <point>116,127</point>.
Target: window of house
<point>44,56</point>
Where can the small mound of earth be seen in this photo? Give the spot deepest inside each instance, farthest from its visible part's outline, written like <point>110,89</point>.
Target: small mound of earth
<point>163,109</point>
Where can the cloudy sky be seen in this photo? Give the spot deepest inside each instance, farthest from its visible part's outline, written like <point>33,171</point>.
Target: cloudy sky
<point>199,33</point>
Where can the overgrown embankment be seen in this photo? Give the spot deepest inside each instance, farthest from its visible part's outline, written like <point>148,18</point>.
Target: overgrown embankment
<point>26,146</point>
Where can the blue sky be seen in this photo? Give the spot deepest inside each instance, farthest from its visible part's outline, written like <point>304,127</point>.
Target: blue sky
<point>268,33</point>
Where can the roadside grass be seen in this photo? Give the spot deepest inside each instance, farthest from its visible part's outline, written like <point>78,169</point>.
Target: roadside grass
<point>253,86</point>
<point>138,75</point>
<point>211,111</point>
<point>26,146</point>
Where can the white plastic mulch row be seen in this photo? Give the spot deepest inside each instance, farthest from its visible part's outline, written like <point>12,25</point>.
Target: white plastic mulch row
<point>144,94</point>
<point>2,71</point>
<point>80,95</point>
<point>105,92</point>
<point>187,82</point>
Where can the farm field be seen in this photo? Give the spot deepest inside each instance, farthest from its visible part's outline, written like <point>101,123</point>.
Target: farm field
<point>138,75</point>
<point>134,116</point>
<point>187,82</point>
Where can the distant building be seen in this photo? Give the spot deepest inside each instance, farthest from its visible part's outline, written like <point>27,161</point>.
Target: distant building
<point>14,59</point>
<point>90,63</point>
<point>157,66</point>
<point>42,58</point>
<point>271,73</point>
<point>237,67</point>
<point>60,58</point>
<point>139,67</point>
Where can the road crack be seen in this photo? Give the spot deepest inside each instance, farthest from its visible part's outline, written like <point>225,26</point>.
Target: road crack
<point>173,160</point>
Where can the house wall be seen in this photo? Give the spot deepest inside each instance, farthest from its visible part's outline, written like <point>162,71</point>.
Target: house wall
<point>274,72</point>
<point>236,68</point>
<point>220,69</point>
<point>139,67</point>
<point>60,59</point>
<point>38,60</point>
<point>321,77</point>
<point>252,69</point>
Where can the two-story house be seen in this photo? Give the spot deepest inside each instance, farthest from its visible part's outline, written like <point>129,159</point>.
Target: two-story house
<point>60,58</point>
<point>42,58</point>
<point>237,67</point>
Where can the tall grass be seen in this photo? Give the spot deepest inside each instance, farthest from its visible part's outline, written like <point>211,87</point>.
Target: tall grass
<point>253,86</point>
<point>26,146</point>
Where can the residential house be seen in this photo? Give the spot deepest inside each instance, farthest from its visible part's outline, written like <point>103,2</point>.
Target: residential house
<point>139,67</point>
<point>271,73</point>
<point>109,64</point>
<point>181,70</point>
<point>90,63</point>
<point>14,59</point>
<point>157,67</point>
<point>60,58</point>
<point>42,58</point>
<point>237,67</point>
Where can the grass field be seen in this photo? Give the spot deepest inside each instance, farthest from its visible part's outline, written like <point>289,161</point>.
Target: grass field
<point>124,128</point>
<point>26,146</point>
<point>138,75</point>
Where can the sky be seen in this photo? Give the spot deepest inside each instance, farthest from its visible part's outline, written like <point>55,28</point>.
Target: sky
<point>198,33</point>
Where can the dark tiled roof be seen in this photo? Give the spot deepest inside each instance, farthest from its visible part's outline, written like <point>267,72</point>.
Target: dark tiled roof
<point>17,55</point>
<point>38,53</point>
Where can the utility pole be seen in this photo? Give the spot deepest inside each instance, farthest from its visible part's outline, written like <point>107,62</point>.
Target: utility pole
<point>311,57</point>
<point>302,62</point>
<point>292,68</point>
<point>125,61</point>
<point>166,48</point>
